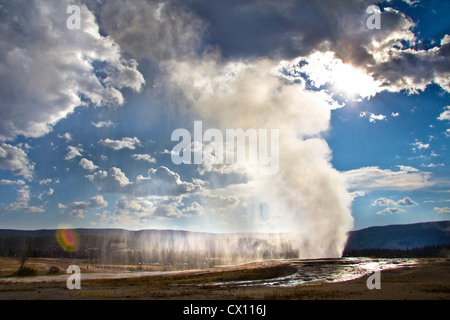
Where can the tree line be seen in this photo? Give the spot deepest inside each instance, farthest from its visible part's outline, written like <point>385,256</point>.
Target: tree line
<point>432,251</point>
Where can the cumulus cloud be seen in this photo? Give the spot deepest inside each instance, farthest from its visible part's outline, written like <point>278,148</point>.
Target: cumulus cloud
<point>111,181</point>
<point>73,152</point>
<point>445,115</point>
<point>162,181</point>
<point>406,178</point>
<point>406,202</point>
<point>16,160</point>
<point>67,136</point>
<point>420,145</point>
<point>126,142</point>
<point>80,208</point>
<point>401,68</point>
<point>385,202</point>
<point>144,157</point>
<point>48,70</point>
<point>87,164</point>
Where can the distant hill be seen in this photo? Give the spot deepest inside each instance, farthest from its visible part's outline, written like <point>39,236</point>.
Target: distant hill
<point>166,247</point>
<point>199,248</point>
<point>402,237</point>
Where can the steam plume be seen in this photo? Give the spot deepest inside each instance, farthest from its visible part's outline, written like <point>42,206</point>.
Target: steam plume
<point>307,197</point>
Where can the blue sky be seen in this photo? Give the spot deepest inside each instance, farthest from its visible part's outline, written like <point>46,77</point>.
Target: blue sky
<point>87,114</point>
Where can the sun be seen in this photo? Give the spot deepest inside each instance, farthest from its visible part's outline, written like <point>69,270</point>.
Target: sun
<point>323,68</point>
<point>353,82</point>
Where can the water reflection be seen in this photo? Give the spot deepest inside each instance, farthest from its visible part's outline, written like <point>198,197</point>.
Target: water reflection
<point>326,271</point>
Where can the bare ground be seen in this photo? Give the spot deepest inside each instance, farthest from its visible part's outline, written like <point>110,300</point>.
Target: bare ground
<point>428,280</point>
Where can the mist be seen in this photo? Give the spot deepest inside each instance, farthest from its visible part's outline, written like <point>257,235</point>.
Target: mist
<point>307,197</point>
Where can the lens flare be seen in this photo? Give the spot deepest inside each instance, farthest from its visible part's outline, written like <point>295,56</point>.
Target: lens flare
<point>67,239</point>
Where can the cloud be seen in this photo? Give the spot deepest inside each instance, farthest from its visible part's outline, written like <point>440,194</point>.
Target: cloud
<point>151,29</point>
<point>159,182</point>
<point>73,152</point>
<point>245,31</point>
<point>419,145</point>
<point>129,143</point>
<point>406,178</point>
<point>49,192</point>
<point>445,115</point>
<point>80,208</point>
<point>409,69</point>
<point>325,68</point>
<point>390,211</point>
<point>372,117</point>
<point>45,181</point>
<point>195,209</point>
<point>67,136</point>
<point>48,70</point>
<point>406,202</point>
<point>111,181</point>
<point>163,182</point>
<point>387,59</point>
<point>44,90</point>
<point>132,210</point>
<point>22,202</point>
<point>16,160</point>
<point>103,124</point>
<point>11,182</point>
<point>87,164</point>
<point>144,157</point>
<point>139,207</point>
<point>442,210</point>
<point>385,202</point>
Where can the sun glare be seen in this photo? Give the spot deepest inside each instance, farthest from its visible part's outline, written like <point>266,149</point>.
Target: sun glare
<point>353,82</point>
<point>324,68</point>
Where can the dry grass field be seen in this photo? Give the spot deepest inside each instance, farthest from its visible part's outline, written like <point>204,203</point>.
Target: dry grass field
<point>430,279</point>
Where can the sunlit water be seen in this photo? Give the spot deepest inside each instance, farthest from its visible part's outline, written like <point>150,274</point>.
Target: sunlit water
<point>326,271</point>
<point>308,272</point>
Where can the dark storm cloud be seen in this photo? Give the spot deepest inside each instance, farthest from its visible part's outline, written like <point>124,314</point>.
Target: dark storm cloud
<point>282,29</point>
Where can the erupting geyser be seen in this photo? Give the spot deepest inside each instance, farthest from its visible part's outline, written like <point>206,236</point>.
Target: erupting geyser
<point>307,197</point>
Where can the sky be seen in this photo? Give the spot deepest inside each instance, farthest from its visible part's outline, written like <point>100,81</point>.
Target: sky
<point>87,114</point>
